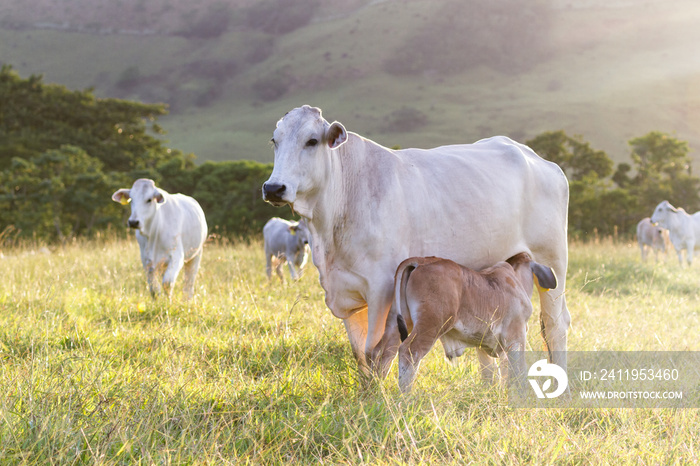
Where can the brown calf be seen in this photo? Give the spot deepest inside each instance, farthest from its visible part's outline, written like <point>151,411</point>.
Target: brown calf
<point>440,299</point>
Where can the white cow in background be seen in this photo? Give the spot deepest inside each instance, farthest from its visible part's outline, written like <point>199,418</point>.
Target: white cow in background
<point>170,229</point>
<point>650,236</point>
<point>683,229</point>
<point>285,241</point>
<point>369,207</point>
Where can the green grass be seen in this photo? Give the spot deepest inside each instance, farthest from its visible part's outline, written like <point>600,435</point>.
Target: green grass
<point>95,372</point>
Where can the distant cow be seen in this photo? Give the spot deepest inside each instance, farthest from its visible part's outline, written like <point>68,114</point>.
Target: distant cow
<point>369,207</point>
<point>439,299</point>
<point>683,229</point>
<point>650,236</point>
<point>170,229</point>
<point>285,242</point>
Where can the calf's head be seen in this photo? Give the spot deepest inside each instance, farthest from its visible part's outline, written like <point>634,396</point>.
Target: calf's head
<point>145,199</point>
<point>303,141</point>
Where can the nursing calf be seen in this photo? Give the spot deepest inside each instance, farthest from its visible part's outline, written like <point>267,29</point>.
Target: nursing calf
<point>170,229</point>
<point>440,299</point>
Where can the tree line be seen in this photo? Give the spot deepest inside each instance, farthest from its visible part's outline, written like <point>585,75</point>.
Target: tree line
<point>63,153</point>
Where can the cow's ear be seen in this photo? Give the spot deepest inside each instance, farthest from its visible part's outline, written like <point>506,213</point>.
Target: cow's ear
<point>122,196</point>
<point>293,229</point>
<point>337,136</point>
<point>159,197</point>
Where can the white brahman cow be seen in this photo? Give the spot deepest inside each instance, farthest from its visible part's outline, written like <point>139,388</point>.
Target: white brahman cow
<point>170,229</point>
<point>683,229</point>
<point>438,299</point>
<point>651,237</point>
<point>285,241</point>
<point>369,207</point>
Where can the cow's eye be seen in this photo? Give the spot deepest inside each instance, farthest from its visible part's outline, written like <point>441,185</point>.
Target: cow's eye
<point>149,201</point>
<point>311,142</point>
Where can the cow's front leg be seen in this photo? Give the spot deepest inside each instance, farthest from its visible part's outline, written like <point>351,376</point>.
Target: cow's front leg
<point>152,278</point>
<point>385,350</point>
<point>292,270</point>
<point>679,251</point>
<point>175,264</point>
<point>689,252</point>
<point>383,337</point>
<point>356,328</point>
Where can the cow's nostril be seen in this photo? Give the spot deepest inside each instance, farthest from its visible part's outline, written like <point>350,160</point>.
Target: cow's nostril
<point>274,191</point>
<point>133,223</point>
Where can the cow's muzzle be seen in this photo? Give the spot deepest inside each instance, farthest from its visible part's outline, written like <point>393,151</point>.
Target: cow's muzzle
<point>133,224</point>
<point>274,193</point>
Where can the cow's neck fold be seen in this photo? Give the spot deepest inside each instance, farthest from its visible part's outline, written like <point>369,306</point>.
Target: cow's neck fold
<point>329,204</point>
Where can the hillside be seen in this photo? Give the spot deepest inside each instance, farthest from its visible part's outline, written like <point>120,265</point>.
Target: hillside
<point>402,72</point>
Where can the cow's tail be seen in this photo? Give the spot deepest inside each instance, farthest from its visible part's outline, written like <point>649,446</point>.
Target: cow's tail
<point>400,304</point>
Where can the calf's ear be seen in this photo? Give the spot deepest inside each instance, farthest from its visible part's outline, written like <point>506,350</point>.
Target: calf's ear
<point>121,196</point>
<point>293,229</point>
<point>545,276</point>
<point>337,136</point>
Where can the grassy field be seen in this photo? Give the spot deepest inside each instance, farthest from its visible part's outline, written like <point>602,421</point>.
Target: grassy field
<point>95,372</point>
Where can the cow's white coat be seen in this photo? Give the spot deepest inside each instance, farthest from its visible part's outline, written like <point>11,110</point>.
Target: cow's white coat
<point>369,208</point>
<point>285,241</point>
<point>651,237</point>
<point>683,229</point>
<point>170,230</point>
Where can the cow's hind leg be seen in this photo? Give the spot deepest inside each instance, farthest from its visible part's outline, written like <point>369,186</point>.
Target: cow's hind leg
<point>278,267</point>
<point>191,269</point>
<point>555,320</point>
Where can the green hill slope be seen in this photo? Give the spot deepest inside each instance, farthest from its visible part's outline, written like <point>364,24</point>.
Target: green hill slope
<point>608,70</point>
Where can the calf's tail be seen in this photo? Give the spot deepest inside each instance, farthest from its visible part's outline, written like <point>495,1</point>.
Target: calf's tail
<point>400,304</point>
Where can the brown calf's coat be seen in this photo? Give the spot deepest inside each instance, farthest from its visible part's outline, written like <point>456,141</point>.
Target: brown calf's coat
<point>439,299</point>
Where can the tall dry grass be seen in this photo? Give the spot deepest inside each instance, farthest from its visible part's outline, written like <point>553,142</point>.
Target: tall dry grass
<point>95,372</point>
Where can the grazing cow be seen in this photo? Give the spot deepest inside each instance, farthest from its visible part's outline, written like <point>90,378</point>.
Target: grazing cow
<point>650,236</point>
<point>285,242</point>
<point>683,229</point>
<point>170,229</point>
<point>369,207</point>
<point>439,299</point>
